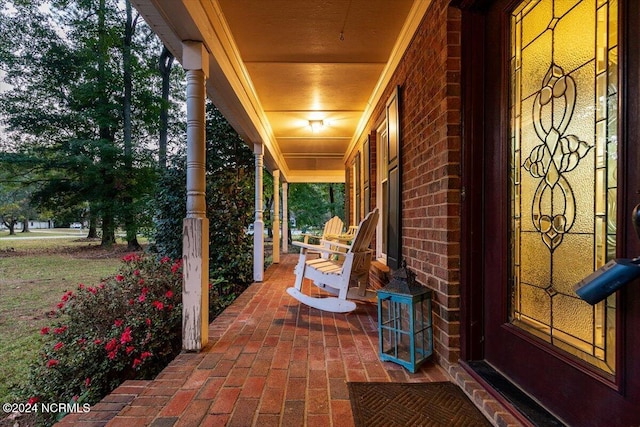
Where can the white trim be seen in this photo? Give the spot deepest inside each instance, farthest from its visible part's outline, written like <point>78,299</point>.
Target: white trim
<point>381,176</point>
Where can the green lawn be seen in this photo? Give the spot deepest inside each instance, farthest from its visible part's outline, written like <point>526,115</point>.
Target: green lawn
<point>34,273</point>
<point>45,232</point>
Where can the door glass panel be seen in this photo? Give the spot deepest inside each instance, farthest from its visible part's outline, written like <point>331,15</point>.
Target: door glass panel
<point>563,168</point>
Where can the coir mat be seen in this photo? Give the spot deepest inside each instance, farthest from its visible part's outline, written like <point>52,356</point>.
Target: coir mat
<point>412,404</point>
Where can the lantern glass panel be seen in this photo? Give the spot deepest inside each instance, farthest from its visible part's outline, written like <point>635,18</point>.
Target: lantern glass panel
<point>396,332</point>
<point>423,331</point>
<point>405,328</point>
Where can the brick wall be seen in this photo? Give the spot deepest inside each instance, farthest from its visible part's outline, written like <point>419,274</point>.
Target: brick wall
<point>430,110</point>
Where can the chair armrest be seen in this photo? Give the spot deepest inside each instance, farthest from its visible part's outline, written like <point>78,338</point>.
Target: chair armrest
<point>319,248</point>
<point>335,243</point>
<point>305,245</point>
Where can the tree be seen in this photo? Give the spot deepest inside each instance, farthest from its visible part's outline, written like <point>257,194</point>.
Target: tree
<point>267,199</point>
<point>89,65</point>
<point>17,188</point>
<point>313,204</point>
<point>10,212</point>
<point>230,194</point>
<point>15,204</point>
<point>164,66</point>
<point>127,74</point>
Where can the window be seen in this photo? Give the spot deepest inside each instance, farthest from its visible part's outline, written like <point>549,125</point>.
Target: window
<point>394,212</point>
<point>357,190</point>
<point>382,194</point>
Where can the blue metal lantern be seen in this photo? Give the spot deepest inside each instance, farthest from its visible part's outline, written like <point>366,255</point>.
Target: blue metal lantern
<point>404,321</point>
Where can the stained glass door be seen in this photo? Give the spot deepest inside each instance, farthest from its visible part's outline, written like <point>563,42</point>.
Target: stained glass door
<point>563,183</point>
<point>560,116</point>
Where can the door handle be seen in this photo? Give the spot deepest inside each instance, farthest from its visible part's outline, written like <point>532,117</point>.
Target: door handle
<point>635,219</point>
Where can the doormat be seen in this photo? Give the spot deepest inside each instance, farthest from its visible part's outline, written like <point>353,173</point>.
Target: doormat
<point>412,404</point>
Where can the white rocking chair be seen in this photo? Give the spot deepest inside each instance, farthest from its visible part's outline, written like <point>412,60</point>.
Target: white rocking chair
<point>332,227</point>
<point>336,275</point>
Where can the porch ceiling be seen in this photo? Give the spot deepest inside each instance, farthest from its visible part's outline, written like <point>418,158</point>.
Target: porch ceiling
<point>276,64</point>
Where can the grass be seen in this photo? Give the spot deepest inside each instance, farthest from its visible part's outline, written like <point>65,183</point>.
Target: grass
<point>4,234</point>
<point>34,273</point>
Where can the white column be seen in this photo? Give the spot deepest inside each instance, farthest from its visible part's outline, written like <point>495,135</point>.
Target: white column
<point>285,218</point>
<point>195,250</point>
<point>276,216</point>
<point>258,224</point>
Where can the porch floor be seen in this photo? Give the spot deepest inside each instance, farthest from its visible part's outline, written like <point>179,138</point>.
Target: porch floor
<point>270,361</point>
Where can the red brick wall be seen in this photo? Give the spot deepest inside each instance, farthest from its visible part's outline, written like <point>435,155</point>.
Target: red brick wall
<point>430,110</point>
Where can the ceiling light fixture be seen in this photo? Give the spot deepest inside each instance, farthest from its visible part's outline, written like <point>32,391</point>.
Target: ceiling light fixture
<point>316,125</point>
<point>345,22</point>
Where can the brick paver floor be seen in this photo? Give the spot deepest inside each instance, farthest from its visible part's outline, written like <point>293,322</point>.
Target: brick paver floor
<point>270,361</point>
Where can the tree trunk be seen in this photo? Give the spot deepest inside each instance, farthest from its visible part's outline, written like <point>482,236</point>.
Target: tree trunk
<point>108,160</point>
<point>25,226</point>
<point>332,201</point>
<point>267,217</point>
<point>128,85</point>
<point>109,203</point>
<point>132,241</point>
<point>11,225</point>
<point>127,201</point>
<point>165,64</point>
<point>108,230</point>
<point>93,227</point>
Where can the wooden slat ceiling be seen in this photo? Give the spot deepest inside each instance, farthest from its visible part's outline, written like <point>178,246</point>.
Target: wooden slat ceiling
<point>303,60</point>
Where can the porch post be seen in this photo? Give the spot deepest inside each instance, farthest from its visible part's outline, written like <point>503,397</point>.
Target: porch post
<point>258,224</point>
<point>276,216</point>
<point>285,218</point>
<point>195,250</point>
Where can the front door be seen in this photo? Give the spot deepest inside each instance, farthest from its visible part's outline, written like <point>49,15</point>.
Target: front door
<point>560,176</point>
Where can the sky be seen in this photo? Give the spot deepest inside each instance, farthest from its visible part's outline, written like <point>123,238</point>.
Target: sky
<point>3,85</point>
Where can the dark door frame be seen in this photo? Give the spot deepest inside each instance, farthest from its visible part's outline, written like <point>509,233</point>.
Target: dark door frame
<point>473,198</point>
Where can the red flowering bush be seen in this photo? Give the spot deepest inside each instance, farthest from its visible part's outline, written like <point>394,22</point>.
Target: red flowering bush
<point>127,327</point>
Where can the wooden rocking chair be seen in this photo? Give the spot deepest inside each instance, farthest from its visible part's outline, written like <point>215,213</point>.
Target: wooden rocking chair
<point>332,227</point>
<point>336,275</point>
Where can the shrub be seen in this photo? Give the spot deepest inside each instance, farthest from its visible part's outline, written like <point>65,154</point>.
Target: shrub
<point>230,248</point>
<point>127,327</point>
<point>171,208</point>
<point>230,204</point>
